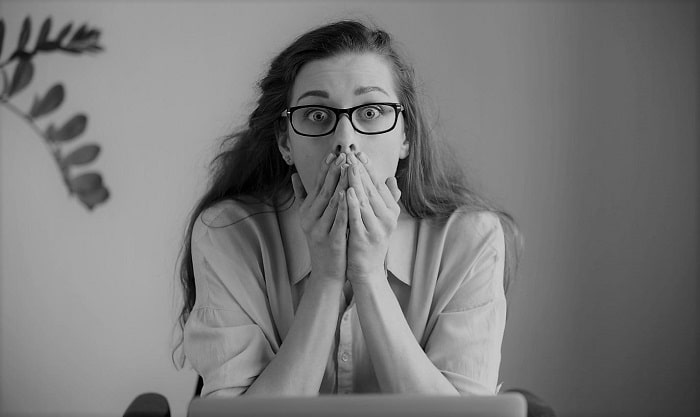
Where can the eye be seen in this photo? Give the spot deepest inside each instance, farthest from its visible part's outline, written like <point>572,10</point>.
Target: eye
<point>370,112</point>
<point>316,115</point>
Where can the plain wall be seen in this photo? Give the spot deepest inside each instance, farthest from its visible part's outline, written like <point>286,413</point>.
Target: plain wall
<point>580,118</point>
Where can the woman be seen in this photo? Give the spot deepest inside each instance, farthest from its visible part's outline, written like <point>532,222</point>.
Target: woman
<point>335,250</point>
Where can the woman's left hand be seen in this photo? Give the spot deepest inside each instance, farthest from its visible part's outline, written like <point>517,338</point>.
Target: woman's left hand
<point>373,213</point>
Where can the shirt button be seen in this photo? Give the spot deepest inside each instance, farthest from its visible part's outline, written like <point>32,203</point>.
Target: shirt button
<point>344,357</point>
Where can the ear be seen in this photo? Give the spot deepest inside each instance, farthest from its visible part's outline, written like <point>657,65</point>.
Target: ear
<point>403,152</point>
<point>283,143</point>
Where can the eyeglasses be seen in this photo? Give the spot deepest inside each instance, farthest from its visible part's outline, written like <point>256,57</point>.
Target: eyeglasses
<point>368,119</point>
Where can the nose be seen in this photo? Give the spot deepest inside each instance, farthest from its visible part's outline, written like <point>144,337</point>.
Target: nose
<point>344,136</point>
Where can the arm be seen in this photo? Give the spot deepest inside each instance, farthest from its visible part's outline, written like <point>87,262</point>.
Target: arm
<point>230,340</point>
<point>399,362</point>
<point>464,345</point>
<point>298,367</point>
<point>463,349</point>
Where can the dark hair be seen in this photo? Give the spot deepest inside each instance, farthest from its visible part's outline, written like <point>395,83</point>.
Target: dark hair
<point>250,164</point>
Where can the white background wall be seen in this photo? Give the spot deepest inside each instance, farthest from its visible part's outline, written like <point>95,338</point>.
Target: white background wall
<point>580,117</point>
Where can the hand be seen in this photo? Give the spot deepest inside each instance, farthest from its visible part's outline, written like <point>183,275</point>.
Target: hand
<point>373,213</point>
<point>324,218</point>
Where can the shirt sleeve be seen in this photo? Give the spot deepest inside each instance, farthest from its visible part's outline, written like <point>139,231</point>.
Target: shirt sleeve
<point>229,337</point>
<point>465,342</point>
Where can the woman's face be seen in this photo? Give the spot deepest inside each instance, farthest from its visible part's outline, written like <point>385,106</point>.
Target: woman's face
<point>345,81</point>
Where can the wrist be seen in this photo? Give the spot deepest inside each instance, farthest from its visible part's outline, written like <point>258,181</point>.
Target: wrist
<point>329,281</point>
<point>367,278</point>
<point>327,273</point>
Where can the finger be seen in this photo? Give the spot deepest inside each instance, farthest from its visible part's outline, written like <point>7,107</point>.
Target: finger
<point>340,224</point>
<point>355,178</point>
<point>326,220</point>
<point>393,188</point>
<point>372,207</point>
<point>388,190</point>
<point>299,190</point>
<point>369,218</point>
<point>369,166</point>
<point>354,215</point>
<point>376,211</point>
<point>373,193</point>
<point>322,173</point>
<point>377,182</point>
<point>384,191</point>
<point>343,182</point>
<point>327,190</point>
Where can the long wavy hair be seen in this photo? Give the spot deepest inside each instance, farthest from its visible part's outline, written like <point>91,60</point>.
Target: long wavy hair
<point>250,165</point>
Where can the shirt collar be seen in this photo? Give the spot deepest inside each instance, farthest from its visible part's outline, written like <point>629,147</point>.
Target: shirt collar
<point>400,257</point>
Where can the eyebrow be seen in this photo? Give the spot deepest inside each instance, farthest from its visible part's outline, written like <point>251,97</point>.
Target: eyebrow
<point>358,91</point>
<point>369,89</point>
<point>314,93</point>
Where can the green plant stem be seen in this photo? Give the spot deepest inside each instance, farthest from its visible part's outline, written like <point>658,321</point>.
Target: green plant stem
<point>53,148</point>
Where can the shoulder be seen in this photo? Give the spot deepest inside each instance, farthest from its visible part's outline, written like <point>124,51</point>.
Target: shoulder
<point>468,237</point>
<point>228,215</point>
<point>472,256</point>
<point>478,227</point>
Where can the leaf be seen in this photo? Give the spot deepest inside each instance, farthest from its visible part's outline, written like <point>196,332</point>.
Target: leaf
<point>24,34</point>
<point>24,71</point>
<point>81,156</point>
<point>93,36</point>
<point>72,129</point>
<point>94,48</point>
<point>2,34</point>
<point>5,82</point>
<point>50,132</point>
<point>95,197</point>
<point>86,183</point>
<point>71,49</point>
<point>63,33</point>
<point>49,46</point>
<point>80,33</point>
<point>51,101</point>
<point>43,34</point>
<point>84,40</point>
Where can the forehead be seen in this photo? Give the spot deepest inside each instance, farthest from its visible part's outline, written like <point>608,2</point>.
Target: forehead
<point>340,76</point>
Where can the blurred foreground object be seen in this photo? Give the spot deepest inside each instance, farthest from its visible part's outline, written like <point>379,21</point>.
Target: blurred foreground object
<point>148,405</point>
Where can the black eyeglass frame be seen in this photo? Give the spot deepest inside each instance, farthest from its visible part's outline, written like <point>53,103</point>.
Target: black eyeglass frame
<point>398,108</point>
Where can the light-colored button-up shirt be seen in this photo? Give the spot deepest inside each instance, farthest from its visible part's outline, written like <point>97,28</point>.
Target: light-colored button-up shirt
<point>251,264</point>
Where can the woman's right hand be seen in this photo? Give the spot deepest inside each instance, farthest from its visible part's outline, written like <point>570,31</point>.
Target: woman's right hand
<point>324,215</point>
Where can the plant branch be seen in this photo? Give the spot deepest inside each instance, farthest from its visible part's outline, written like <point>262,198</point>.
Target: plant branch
<point>29,55</point>
<point>53,148</point>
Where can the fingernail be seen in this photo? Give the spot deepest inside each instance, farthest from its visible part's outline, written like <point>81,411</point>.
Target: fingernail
<point>362,157</point>
<point>329,158</point>
<point>355,171</point>
<point>340,159</point>
<point>341,195</point>
<point>343,169</point>
<point>351,193</point>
